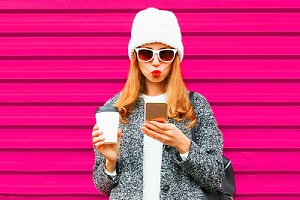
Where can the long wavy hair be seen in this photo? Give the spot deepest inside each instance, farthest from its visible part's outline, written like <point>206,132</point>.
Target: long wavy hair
<point>179,105</point>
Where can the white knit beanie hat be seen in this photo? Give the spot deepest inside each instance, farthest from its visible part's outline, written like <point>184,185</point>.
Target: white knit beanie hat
<point>153,25</point>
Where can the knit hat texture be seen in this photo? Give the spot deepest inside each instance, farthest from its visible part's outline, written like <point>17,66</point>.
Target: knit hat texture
<point>153,25</point>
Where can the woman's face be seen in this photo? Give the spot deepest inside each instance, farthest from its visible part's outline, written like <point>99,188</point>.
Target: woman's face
<point>155,70</point>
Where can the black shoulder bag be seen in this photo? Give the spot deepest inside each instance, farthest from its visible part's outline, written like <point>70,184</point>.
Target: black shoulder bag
<point>227,189</point>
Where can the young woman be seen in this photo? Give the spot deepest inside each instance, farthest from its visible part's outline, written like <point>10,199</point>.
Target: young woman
<point>156,160</point>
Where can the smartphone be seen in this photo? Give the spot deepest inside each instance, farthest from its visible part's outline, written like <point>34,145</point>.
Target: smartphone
<point>156,112</point>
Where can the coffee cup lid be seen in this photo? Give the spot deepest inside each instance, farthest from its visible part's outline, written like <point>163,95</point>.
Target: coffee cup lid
<point>107,109</point>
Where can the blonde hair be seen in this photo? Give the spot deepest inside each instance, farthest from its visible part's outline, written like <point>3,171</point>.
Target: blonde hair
<point>179,106</point>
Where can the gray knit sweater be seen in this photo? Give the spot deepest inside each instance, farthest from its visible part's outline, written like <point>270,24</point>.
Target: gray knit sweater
<point>179,179</point>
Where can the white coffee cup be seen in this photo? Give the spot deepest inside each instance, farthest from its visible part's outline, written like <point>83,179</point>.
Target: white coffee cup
<point>107,118</point>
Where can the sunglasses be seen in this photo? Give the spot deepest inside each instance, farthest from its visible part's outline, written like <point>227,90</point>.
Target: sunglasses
<point>164,55</point>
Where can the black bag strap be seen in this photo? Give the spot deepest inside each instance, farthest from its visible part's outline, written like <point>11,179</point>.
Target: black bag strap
<point>191,95</point>
<point>227,189</point>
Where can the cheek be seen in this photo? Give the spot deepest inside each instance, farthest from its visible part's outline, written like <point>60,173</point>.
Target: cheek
<point>168,68</point>
<point>143,69</point>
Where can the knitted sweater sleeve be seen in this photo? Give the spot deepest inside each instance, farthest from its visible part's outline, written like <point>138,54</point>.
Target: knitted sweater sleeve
<point>103,182</point>
<point>204,162</point>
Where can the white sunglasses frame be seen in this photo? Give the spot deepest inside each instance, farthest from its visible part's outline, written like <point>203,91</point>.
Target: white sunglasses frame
<point>155,52</point>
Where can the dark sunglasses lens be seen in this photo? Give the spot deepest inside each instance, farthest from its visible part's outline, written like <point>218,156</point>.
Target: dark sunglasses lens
<point>145,54</point>
<point>166,55</point>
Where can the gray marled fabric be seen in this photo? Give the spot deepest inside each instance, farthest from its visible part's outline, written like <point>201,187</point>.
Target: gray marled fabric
<point>179,179</point>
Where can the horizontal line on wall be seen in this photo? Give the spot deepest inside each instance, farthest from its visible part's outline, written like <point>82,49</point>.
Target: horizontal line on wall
<point>38,103</point>
<point>255,103</point>
<point>125,57</point>
<point>90,149</point>
<point>47,195</point>
<point>242,80</point>
<point>274,195</point>
<point>82,127</point>
<point>127,34</point>
<point>255,127</point>
<point>260,149</point>
<point>45,149</point>
<point>54,172</point>
<point>99,195</point>
<point>75,57</point>
<point>66,34</point>
<point>210,34</point>
<point>62,81</point>
<point>107,81</point>
<point>266,172</point>
<point>243,57</point>
<point>88,172</point>
<point>175,10</point>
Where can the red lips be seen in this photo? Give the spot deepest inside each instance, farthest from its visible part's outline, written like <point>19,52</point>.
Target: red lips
<point>156,73</point>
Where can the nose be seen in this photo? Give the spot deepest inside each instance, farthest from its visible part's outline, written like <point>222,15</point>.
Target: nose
<point>155,61</point>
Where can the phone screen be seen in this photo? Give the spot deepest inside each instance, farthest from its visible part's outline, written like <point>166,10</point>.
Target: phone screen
<point>156,112</point>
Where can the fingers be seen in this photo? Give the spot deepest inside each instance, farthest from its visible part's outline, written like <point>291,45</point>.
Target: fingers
<point>97,135</point>
<point>98,140</point>
<point>163,126</point>
<point>149,132</point>
<point>96,127</point>
<point>166,133</point>
<point>159,127</point>
<point>155,132</point>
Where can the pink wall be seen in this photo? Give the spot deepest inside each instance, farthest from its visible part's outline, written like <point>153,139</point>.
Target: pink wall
<point>59,60</point>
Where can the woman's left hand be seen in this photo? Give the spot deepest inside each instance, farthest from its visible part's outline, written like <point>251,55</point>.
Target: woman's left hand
<point>168,134</point>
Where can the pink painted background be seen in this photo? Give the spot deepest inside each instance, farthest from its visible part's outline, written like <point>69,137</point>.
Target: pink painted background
<point>59,60</point>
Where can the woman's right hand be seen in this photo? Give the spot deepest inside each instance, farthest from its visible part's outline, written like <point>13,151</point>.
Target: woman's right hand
<point>109,151</point>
